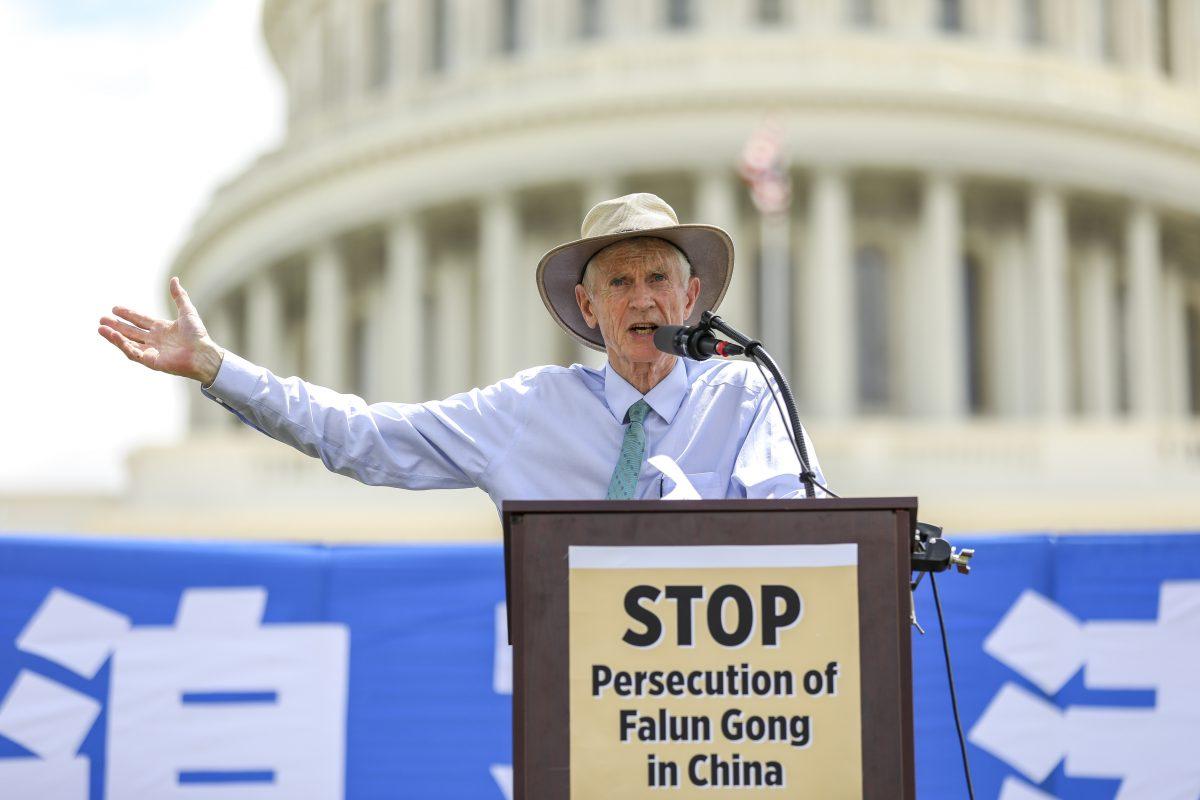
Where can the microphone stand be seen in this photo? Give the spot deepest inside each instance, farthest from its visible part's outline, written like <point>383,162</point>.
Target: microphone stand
<point>755,350</point>
<point>929,553</point>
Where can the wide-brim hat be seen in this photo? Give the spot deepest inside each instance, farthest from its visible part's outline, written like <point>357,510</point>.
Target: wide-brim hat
<point>708,248</point>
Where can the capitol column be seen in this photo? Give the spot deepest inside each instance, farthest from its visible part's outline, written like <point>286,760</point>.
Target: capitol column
<point>1134,23</point>
<point>824,295</point>
<point>914,17</point>
<point>717,204</point>
<point>1143,305</point>
<point>820,14</point>
<point>1009,342</point>
<point>218,320</point>
<point>409,47</point>
<point>499,229</point>
<point>998,21</point>
<point>472,33</point>
<point>938,322</point>
<point>292,70</point>
<point>264,321</point>
<point>1192,345</point>
<point>308,49</point>
<point>595,190</point>
<point>1176,346</point>
<point>631,19</point>
<point>717,15</point>
<point>1098,345</point>
<point>204,413</point>
<point>1185,32</point>
<point>546,26</point>
<point>325,328</point>
<point>1048,251</point>
<point>356,35</point>
<point>1079,25</point>
<point>401,362</point>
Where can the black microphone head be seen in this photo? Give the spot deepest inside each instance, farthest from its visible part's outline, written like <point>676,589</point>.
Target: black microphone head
<point>667,338</point>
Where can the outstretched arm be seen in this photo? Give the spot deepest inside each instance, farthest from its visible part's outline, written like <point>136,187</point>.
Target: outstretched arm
<point>179,347</point>
<point>439,445</point>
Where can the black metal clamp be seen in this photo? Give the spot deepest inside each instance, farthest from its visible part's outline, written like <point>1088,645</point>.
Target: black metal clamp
<point>932,553</point>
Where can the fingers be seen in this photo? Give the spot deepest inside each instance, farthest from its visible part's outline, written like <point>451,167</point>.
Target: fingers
<point>131,350</point>
<point>141,320</point>
<point>125,329</point>
<point>182,302</point>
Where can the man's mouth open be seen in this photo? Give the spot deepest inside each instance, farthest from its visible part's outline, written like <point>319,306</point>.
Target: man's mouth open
<point>643,328</point>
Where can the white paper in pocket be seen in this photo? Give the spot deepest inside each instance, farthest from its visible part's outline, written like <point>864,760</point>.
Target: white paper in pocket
<point>683,487</point>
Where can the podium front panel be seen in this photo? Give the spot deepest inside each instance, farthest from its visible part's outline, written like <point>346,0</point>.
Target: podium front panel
<point>676,693</point>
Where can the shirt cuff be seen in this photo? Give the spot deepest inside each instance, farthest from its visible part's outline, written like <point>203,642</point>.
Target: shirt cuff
<point>236,380</point>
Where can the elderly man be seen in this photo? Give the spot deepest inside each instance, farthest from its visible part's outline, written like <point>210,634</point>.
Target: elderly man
<point>549,432</point>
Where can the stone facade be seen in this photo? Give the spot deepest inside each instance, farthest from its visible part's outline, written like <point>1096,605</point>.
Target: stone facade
<point>995,237</point>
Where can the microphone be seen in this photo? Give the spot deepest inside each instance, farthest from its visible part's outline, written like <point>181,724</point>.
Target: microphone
<point>694,342</point>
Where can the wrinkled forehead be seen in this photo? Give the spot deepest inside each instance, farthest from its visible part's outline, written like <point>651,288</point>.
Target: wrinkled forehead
<point>640,252</point>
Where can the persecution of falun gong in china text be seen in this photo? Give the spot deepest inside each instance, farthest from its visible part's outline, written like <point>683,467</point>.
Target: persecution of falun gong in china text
<point>701,676</point>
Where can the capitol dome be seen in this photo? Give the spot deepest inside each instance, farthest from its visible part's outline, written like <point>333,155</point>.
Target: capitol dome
<point>992,293</point>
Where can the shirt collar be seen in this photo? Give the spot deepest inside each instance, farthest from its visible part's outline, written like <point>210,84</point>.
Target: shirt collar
<point>664,399</point>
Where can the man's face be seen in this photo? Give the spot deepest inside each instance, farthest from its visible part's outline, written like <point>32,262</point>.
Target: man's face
<point>630,289</point>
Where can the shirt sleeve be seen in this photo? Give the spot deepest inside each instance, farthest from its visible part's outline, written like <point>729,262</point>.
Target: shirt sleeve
<point>767,466</point>
<point>447,444</point>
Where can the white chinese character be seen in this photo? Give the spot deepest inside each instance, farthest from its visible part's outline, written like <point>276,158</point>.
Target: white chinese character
<point>218,705</point>
<point>1152,751</point>
<point>46,718</point>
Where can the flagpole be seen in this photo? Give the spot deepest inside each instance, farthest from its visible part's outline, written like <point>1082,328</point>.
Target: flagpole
<point>764,167</point>
<point>775,285</point>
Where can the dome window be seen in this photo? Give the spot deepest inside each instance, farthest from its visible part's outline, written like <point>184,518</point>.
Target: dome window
<point>510,26</point>
<point>591,18</point>
<point>679,14</point>
<point>950,16</point>
<point>770,12</point>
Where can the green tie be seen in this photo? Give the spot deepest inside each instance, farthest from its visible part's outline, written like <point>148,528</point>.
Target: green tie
<point>629,464</point>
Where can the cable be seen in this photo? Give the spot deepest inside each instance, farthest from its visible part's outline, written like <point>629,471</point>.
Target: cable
<point>787,425</point>
<point>791,420</point>
<point>754,352</point>
<point>962,742</point>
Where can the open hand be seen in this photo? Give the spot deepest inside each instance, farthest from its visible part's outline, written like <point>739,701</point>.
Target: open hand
<point>179,347</point>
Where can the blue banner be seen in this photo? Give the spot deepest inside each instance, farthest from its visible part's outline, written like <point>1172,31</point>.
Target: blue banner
<point>142,669</point>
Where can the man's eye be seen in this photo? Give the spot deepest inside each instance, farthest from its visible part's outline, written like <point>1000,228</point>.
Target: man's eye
<point>658,276</point>
<point>616,282</point>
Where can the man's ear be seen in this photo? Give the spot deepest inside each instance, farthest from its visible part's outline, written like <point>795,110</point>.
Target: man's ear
<point>585,305</point>
<point>693,292</point>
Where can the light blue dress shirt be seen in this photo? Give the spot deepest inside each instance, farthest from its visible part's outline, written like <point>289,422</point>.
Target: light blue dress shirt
<point>548,433</point>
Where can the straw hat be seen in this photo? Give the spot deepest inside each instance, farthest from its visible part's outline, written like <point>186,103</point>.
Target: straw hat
<point>708,248</point>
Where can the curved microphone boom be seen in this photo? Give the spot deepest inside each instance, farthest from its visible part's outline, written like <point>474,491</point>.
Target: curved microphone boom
<point>694,342</point>
<point>697,342</point>
<point>677,342</point>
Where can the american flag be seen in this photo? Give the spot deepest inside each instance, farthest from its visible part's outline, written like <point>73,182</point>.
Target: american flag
<point>764,168</point>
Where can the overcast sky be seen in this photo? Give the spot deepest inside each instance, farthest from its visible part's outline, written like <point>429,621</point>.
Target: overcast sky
<point>119,118</point>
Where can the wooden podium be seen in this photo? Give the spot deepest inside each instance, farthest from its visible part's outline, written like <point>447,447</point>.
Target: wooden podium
<point>711,648</point>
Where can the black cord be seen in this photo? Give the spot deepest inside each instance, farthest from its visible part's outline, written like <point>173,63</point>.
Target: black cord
<point>759,353</point>
<point>787,425</point>
<point>793,436</point>
<point>962,742</point>
<point>791,420</point>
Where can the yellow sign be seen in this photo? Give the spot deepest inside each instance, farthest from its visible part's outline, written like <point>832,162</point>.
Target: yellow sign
<point>701,672</point>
